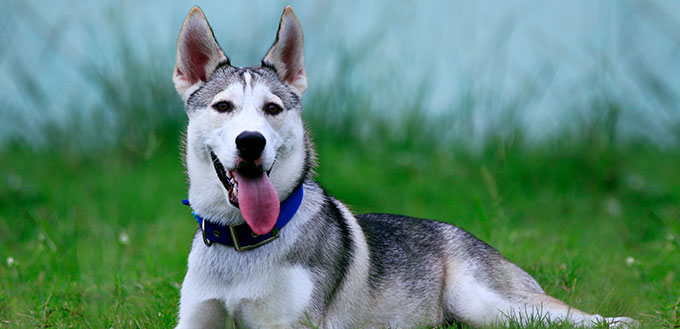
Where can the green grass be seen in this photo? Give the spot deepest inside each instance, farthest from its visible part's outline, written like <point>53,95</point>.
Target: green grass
<point>100,240</point>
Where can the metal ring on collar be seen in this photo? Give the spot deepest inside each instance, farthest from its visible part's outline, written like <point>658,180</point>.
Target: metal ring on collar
<point>206,241</point>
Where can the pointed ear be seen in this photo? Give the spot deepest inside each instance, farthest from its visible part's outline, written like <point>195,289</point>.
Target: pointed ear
<point>287,54</point>
<point>198,54</point>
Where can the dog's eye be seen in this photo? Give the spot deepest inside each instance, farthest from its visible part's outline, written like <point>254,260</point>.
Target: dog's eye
<point>272,109</point>
<point>223,106</point>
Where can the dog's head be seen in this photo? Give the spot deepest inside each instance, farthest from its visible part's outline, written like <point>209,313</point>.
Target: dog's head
<point>246,146</point>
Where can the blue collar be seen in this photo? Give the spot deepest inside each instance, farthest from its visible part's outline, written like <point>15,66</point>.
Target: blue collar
<point>241,237</point>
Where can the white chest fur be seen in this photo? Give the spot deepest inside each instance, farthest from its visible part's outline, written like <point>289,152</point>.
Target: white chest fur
<point>270,298</point>
<point>260,291</point>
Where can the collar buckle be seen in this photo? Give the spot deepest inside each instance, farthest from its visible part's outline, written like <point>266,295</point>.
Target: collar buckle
<point>237,243</point>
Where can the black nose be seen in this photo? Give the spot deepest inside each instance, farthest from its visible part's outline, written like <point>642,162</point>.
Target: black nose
<point>250,145</point>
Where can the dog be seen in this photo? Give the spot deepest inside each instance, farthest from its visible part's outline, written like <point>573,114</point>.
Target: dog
<point>274,250</point>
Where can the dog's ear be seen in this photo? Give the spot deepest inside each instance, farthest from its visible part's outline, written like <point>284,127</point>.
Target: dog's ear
<point>286,56</point>
<point>198,54</point>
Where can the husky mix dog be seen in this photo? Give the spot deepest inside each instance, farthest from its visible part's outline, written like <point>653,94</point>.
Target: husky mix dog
<point>274,250</point>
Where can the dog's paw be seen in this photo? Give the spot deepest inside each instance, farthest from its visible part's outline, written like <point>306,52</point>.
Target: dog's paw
<point>621,322</point>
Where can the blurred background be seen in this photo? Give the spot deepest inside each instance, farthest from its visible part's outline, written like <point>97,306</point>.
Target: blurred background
<point>543,65</point>
<point>551,130</point>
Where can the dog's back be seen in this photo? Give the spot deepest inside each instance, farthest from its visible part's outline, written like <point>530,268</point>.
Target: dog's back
<point>424,272</point>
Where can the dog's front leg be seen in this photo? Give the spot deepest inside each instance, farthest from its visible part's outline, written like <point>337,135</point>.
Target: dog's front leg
<point>200,307</point>
<point>203,314</point>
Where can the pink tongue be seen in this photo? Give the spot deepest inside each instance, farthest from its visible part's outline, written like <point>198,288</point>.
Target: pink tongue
<point>258,202</point>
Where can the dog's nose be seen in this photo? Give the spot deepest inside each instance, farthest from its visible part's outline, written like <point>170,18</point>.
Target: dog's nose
<point>250,145</point>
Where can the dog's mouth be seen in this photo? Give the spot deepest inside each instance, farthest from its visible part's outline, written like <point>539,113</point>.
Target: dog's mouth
<point>227,179</point>
<point>250,190</point>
